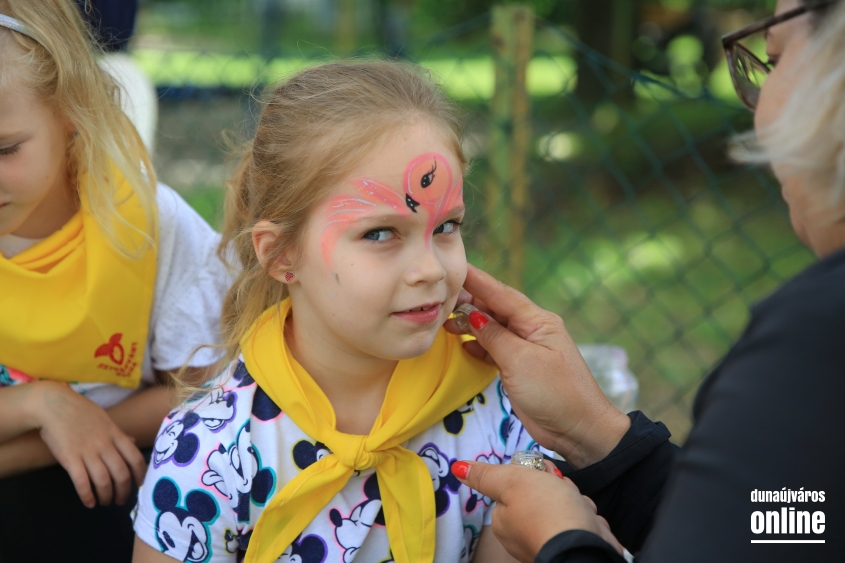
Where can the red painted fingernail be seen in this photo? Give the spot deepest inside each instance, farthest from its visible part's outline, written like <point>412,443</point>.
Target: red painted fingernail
<point>478,319</point>
<point>460,469</point>
<point>558,473</point>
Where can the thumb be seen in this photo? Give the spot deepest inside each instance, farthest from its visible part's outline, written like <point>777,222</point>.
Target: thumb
<point>504,346</point>
<point>489,480</point>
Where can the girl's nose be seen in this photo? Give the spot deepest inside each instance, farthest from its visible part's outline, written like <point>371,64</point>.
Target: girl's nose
<point>425,268</point>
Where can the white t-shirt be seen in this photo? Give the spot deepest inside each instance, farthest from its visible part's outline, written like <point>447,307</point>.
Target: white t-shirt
<point>218,459</point>
<point>190,285</point>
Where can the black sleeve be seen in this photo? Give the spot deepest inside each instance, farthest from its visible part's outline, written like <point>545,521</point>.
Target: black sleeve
<point>578,546</point>
<point>767,419</point>
<point>627,485</point>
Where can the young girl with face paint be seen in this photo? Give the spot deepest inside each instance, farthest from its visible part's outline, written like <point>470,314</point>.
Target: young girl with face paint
<point>347,401</point>
<point>107,282</point>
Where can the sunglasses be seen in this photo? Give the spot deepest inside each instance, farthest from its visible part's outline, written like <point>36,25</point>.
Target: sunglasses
<point>747,71</point>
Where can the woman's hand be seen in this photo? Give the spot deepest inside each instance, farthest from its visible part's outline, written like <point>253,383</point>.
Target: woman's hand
<point>85,441</point>
<point>532,506</point>
<point>548,383</point>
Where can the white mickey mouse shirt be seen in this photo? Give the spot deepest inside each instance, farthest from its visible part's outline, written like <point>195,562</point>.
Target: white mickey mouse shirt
<point>220,457</point>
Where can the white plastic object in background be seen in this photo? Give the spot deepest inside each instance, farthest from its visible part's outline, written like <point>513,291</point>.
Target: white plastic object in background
<point>138,95</point>
<point>609,365</point>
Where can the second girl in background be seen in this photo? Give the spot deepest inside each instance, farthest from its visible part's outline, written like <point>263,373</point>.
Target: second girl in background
<point>108,282</point>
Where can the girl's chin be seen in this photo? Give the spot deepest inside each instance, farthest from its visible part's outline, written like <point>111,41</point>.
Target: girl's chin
<point>411,347</point>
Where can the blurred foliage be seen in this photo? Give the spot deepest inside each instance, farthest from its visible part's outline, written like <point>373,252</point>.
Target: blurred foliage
<point>672,40</point>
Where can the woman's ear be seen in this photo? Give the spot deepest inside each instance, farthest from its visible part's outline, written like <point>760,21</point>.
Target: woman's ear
<point>265,236</point>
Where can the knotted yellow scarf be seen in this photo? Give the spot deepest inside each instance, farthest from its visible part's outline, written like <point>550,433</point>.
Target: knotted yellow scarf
<point>421,392</point>
<point>72,308</point>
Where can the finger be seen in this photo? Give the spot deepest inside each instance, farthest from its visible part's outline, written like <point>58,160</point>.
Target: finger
<point>477,350</point>
<point>552,468</point>
<point>500,298</point>
<point>133,456</point>
<point>79,476</point>
<point>504,347</point>
<point>498,522</point>
<point>590,503</point>
<point>451,326</point>
<point>120,475</point>
<point>464,296</point>
<point>101,479</point>
<point>489,480</point>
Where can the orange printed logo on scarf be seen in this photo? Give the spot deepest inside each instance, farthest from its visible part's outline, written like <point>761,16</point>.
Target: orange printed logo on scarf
<point>113,349</point>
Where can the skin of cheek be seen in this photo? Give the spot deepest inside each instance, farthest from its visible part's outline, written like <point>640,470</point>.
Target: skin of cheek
<point>32,180</point>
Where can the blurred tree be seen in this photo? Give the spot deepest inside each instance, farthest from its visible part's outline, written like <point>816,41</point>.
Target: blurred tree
<point>609,27</point>
<point>458,11</point>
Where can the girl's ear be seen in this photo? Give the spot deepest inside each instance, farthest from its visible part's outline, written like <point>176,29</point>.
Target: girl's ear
<point>265,236</point>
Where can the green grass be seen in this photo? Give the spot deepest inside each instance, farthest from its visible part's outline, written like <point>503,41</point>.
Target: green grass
<point>467,78</point>
<point>464,79</point>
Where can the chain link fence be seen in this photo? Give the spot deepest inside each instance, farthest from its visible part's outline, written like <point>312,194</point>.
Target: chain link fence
<point>632,223</point>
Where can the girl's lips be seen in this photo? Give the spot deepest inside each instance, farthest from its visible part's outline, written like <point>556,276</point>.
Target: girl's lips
<point>420,317</point>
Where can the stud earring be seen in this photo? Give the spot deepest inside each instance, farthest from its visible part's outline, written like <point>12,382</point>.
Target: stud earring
<point>288,276</point>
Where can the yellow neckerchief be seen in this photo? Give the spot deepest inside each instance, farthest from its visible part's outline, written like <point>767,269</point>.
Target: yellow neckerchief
<point>74,308</point>
<point>421,392</point>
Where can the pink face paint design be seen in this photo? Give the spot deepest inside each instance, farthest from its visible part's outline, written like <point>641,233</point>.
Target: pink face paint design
<point>427,179</point>
<point>427,182</point>
<point>340,212</point>
<point>344,210</point>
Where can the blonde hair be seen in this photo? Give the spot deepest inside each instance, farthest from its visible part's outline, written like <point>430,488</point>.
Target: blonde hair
<point>809,134</point>
<point>60,67</point>
<point>313,129</point>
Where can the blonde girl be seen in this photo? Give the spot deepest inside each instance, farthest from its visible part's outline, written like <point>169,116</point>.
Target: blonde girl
<point>346,400</point>
<point>108,282</point>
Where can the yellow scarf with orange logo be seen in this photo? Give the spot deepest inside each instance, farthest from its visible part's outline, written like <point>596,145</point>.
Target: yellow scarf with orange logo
<point>421,392</point>
<point>73,308</point>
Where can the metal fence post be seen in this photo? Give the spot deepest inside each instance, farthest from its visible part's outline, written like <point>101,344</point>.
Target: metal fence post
<point>511,36</point>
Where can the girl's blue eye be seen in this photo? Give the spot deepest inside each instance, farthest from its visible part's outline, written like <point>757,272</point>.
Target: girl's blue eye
<point>448,228</point>
<point>379,235</point>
